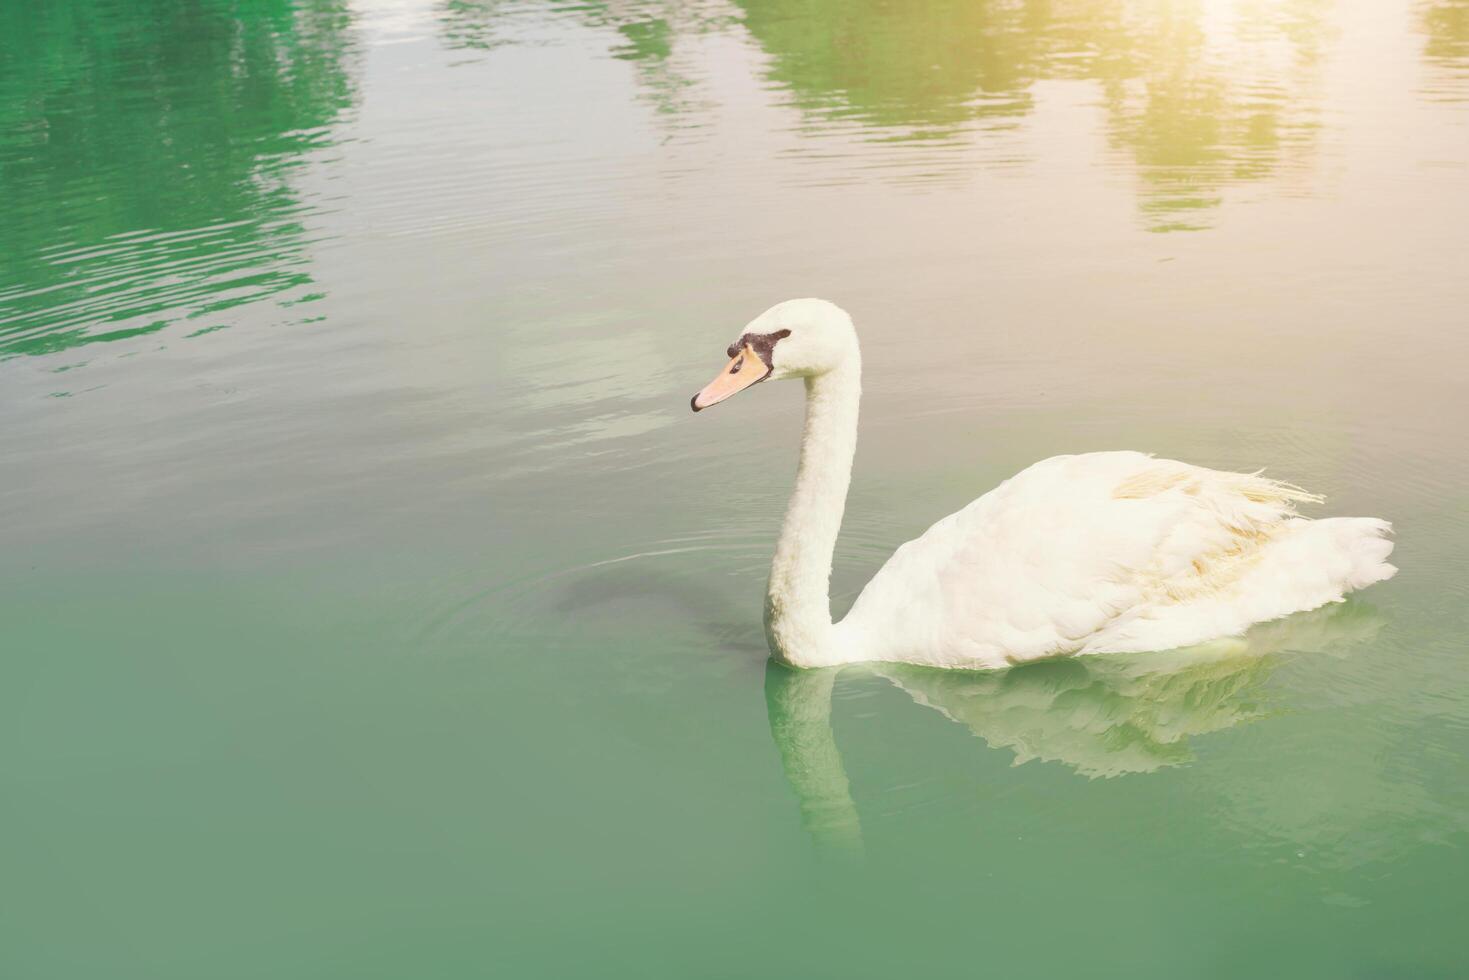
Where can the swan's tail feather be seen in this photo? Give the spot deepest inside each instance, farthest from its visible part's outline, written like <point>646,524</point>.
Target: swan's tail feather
<point>1253,507</point>
<point>1263,490</point>
<point>1366,542</point>
<point>1246,501</point>
<point>1295,566</point>
<point>1351,550</point>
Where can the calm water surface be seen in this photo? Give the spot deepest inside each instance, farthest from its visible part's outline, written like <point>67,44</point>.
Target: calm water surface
<point>374,606</point>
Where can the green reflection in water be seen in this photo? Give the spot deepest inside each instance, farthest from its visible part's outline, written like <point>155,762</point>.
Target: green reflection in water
<point>1445,25</point>
<point>1196,97</point>
<point>928,67</point>
<point>473,24</point>
<point>1196,103</point>
<point>146,158</point>
<point>646,34</point>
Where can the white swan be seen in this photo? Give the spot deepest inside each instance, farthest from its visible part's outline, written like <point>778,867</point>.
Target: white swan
<point>1099,553</point>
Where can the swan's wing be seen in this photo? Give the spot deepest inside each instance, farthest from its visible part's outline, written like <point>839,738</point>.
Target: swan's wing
<point>1034,567</point>
<point>1107,552</point>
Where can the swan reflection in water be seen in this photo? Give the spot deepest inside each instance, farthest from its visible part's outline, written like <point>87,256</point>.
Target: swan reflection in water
<point>1099,716</point>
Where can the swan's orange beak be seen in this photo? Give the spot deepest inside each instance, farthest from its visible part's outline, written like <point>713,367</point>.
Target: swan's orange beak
<point>744,369</point>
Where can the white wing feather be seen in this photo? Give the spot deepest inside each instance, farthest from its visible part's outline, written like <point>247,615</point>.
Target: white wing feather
<point>1109,553</point>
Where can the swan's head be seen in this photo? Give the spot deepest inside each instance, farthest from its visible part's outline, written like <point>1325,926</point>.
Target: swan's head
<point>799,338</point>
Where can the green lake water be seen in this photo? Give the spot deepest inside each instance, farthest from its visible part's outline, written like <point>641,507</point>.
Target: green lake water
<point>373,606</point>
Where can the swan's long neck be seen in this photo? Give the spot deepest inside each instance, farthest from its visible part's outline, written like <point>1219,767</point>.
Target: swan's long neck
<point>798,604</point>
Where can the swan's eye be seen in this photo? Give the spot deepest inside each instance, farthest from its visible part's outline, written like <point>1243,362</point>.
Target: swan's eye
<point>735,367</point>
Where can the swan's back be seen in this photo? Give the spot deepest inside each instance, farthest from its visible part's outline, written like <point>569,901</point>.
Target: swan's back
<point>1108,552</point>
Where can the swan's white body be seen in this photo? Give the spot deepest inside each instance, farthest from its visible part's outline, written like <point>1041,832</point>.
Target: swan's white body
<point>1097,553</point>
<point>1106,553</point>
